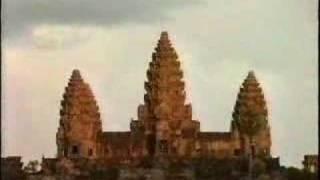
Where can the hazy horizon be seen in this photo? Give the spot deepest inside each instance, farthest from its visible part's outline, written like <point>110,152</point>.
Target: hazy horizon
<point>218,42</point>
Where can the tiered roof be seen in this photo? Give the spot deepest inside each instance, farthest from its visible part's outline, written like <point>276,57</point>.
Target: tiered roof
<point>79,114</point>
<point>78,101</point>
<point>165,94</point>
<point>250,100</point>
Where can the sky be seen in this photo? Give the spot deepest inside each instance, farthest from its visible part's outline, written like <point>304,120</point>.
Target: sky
<point>111,42</point>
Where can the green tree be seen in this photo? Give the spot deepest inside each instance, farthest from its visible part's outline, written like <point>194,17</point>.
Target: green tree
<point>298,174</point>
<point>32,167</point>
<point>250,124</point>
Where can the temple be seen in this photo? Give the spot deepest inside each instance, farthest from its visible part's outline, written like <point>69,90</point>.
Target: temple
<point>164,128</point>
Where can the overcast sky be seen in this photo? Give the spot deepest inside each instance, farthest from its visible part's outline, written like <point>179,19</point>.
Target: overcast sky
<point>111,42</point>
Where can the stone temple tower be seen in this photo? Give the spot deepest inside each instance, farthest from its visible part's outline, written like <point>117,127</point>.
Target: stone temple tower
<point>251,100</point>
<point>165,116</point>
<point>80,124</point>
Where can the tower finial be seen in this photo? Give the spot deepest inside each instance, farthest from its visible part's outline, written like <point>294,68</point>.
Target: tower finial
<point>164,48</point>
<point>251,76</point>
<point>76,71</point>
<point>164,35</point>
<point>76,75</point>
<point>251,73</point>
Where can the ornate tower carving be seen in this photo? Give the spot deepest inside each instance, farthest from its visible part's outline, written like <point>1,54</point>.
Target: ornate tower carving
<point>164,112</point>
<point>251,101</point>
<point>165,95</point>
<point>80,124</point>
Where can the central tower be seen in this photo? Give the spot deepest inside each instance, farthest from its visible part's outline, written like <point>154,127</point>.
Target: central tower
<point>164,115</point>
<point>165,94</point>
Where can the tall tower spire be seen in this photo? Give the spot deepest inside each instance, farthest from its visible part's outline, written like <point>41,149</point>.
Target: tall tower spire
<point>251,103</point>
<point>165,94</point>
<point>80,122</point>
<point>164,113</point>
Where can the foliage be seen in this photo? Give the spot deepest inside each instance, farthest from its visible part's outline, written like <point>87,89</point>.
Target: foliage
<point>213,168</point>
<point>226,169</point>
<point>252,124</point>
<point>146,162</point>
<point>32,167</point>
<point>264,177</point>
<point>175,167</point>
<point>297,174</point>
<point>259,167</point>
<point>108,173</point>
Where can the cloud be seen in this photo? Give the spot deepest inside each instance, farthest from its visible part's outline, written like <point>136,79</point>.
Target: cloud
<point>34,81</point>
<point>59,36</point>
<point>20,15</point>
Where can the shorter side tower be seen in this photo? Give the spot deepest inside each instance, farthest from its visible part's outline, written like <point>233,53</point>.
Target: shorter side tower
<point>80,125</point>
<point>251,104</point>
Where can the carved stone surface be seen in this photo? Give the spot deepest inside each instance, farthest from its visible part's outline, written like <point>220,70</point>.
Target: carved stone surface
<point>80,123</point>
<point>251,101</point>
<point>164,110</point>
